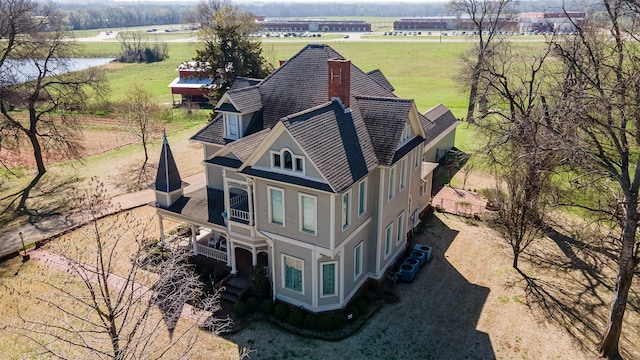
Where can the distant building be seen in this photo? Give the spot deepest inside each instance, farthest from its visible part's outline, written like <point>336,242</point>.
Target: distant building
<point>554,22</point>
<point>190,85</point>
<point>446,23</point>
<point>315,25</point>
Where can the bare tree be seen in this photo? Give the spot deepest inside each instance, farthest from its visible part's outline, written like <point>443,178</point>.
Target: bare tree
<point>513,80</point>
<point>34,65</point>
<point>141,116</point>
<point>119,309</point>
<point>594,118</point>
<point>488,17</point>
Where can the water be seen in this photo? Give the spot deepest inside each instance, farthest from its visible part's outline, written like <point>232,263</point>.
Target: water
<point>18,71</point>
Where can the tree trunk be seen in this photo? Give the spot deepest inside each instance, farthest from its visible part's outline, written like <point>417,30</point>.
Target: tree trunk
<point>608,346</point>
<point>37,154</point>
<point>516,255</point>
<point>473,93</point>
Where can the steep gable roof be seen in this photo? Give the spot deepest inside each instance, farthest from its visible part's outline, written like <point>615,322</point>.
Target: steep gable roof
<point>242,82</point>
<point>385,119</point>
<point>442,119</point>
<point>212,133</point>
<point>246,100</point>
<point>243,148</point>
<point>342,150</point>
<point>302,83</point>
<point>167,177</point>
<point>379,77</point>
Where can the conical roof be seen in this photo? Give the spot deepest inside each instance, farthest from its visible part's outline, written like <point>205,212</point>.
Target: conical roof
<point>167,178</point>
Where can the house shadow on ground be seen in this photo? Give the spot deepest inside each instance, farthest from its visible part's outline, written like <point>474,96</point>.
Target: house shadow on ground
<point>436,318</point>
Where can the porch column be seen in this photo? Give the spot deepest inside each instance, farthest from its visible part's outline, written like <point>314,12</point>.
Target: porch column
<point>161,226</point>
<point>231,256</point>
<point>250,202</point>
<point>193,239</point>
<point>254,257</point>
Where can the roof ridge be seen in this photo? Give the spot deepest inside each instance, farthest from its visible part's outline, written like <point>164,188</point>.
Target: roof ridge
<point>307,111</point>
<point>382,98</point>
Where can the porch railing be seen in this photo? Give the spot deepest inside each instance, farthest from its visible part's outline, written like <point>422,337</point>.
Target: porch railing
<point>238,199</point>
<point>212,253</point>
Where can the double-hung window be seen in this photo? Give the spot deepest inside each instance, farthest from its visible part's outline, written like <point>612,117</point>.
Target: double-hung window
<point>346,209</point>
<point>308,212</point>
<point>329,284</point>
<point>232,126</point>
<point>403,173</point>
<point>400,231</point>
<point>392,183</point>
<point>357,261</point>
<point>292,273</point>
<point>276,206</point>
<point>387,240</point>
<point>362,197</point>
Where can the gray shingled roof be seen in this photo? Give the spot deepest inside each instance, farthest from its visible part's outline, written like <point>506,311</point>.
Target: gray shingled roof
<point>385,119</point>
<point>204,204</point>
<point>242,82</point>
<point>243,148</point>
<point>167,176</point>
<point>442,119</point>
<point>301,83</point>
<point>246,100</point>
<point>335,141</point>
<point>212,133</point>
<point>379,77</point>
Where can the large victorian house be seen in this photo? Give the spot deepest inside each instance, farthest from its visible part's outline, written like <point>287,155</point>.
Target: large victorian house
<point>317,174</point>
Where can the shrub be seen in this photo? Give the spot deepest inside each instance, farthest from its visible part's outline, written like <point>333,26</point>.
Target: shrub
<point>295,318</point>
<point>281,311</point>
<point>252,304</point>
<point>267,306</point>
<point>240,309</point>
<point>353,310</point>
<point>325,323</point>
<point>362,306</point>
<point>310,321</point>
<point>369,296</point>
<point>339,320</point>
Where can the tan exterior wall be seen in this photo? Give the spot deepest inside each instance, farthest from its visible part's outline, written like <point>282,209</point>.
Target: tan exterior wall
<point>214,176</point>
<point>291,227</point>
<point>446,143</point>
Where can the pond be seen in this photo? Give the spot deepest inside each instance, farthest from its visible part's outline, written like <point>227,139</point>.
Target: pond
<point>17,71</point>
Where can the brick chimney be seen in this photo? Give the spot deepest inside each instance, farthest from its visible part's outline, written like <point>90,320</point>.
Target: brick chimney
<point>340,80</point>
<point>282,62</point>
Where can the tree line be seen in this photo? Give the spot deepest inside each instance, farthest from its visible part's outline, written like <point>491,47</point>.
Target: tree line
<point>129,15</point>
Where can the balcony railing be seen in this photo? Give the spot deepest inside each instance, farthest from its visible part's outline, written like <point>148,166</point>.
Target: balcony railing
<point>237,214</point>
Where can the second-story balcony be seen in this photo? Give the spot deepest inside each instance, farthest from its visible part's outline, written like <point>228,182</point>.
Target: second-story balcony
<point>239,210</point>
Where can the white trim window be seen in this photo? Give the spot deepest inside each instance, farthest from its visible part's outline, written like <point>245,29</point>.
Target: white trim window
<point>362,197</point>
<point>308,213</point>
<point>400,230</point>
<point>293,273</point>
<point>406,132</point>
<point>403,173</point>
<point>387,240</point>
<point>357,261</point>
<point>232,126</point>
<point>328,279</point>
<point>276,206</point>
<point>346,209</point>
<point>423,188</point>
<point>392,183</point>
<point>286,160</point>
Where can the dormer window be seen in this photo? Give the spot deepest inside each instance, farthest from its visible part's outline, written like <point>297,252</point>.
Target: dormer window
<point>286,160</point>
<point>406,133</point>
<point>231,126</point>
